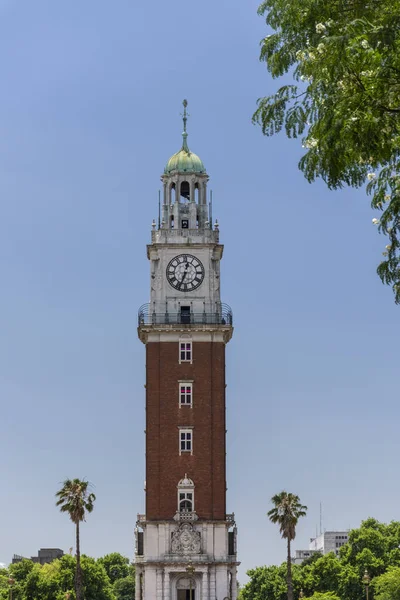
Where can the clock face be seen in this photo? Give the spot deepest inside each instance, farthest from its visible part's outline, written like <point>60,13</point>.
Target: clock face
<point>185,273</point>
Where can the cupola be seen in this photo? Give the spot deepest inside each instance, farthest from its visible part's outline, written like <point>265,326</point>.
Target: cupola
<point>185,188</point>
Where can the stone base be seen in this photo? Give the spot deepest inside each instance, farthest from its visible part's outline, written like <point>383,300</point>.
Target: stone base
<point>197,556</point>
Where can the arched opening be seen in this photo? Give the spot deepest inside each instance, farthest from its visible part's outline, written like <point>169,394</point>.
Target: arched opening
<point>186,588</point>
<point>171,221</point>
<point>172,194</point>
<point>185,191</point>
<point>196,193</point>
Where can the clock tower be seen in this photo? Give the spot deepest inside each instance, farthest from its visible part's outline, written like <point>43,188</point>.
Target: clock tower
<point>186,541</point>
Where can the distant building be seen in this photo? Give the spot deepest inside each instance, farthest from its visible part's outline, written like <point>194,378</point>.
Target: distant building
<point>301,555</point>
<point>329,541</point>
<point>45,555</point>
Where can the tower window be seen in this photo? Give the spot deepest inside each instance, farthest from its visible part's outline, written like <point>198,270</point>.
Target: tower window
<point>185,501</point>
<point>185,351</point>
<point>185,495</point>
<point>185,394</point>
<point>185,441</point>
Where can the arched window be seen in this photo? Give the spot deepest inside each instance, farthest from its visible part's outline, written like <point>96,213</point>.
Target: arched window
<point>196,193</point>
<point>185,190</point>
<point>186,495</point>
<point>172,194</point>
<point>185,502</point>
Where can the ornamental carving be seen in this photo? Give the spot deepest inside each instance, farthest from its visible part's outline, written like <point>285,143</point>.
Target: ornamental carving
<point>186,540</point>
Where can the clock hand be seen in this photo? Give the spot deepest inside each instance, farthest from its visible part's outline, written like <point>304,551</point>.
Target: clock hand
<point>183,277</point>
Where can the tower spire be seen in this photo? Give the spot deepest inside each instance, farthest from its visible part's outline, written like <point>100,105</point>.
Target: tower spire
<point>184,134</point>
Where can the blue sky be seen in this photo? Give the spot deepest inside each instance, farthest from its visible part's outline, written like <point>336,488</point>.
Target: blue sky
<point>89,115</point>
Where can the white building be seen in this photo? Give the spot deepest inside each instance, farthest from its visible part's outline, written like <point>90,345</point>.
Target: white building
<point>329,541</point>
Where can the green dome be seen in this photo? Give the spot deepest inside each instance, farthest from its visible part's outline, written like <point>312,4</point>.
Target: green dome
<point>184,161</point>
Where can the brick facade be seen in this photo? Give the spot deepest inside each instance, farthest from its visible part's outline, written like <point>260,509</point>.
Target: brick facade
<point>206,466</point>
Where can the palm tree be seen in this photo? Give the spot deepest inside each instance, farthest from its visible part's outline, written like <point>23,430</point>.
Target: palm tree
<point>286,512</point>
<point>75,499</point>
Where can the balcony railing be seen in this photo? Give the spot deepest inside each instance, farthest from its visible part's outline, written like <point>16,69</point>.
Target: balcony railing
<point>222,316</point>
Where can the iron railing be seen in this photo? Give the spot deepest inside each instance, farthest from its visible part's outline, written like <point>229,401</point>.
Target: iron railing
<point>222,316</point>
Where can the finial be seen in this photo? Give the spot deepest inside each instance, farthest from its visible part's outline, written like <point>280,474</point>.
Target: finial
<point>185,103</point>
<point>184,134</point>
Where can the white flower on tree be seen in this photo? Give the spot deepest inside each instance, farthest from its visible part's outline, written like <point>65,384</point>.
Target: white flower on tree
<point>310,143</point>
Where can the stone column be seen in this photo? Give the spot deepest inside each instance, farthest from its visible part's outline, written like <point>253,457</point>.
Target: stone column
<point>159,584</point>
<point>137,583</point>
<point>234,584</point>
<point>192,183</point>
<point>213,582</point>
<point>167,585</point>
<point>203,198</point>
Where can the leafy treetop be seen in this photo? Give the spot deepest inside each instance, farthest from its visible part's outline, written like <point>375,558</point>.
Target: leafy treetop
<point>344,56</point>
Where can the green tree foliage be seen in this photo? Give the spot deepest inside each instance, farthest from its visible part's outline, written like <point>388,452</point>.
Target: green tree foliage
<point>121,574</point>
<point>75,499</point>
<point>270,583</point>
<point>4,587</point>
<point>387,586</point>
<point>373,546</point>
<point>116,566</point>
<point>344,56</point>
<point>286,512</point>
<point>323,596</point>
<point>124,589</point>
<point>54,581</point>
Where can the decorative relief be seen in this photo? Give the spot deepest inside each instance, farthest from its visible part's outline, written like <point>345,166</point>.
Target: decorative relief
<point>186,540</point>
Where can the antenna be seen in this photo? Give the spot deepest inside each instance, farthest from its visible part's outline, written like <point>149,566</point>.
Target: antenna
<point>159,208</point>
<point>210,209</point>
<point>320,518</point>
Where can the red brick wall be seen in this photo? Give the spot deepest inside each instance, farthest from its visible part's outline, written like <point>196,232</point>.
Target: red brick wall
<point>164,466</point>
